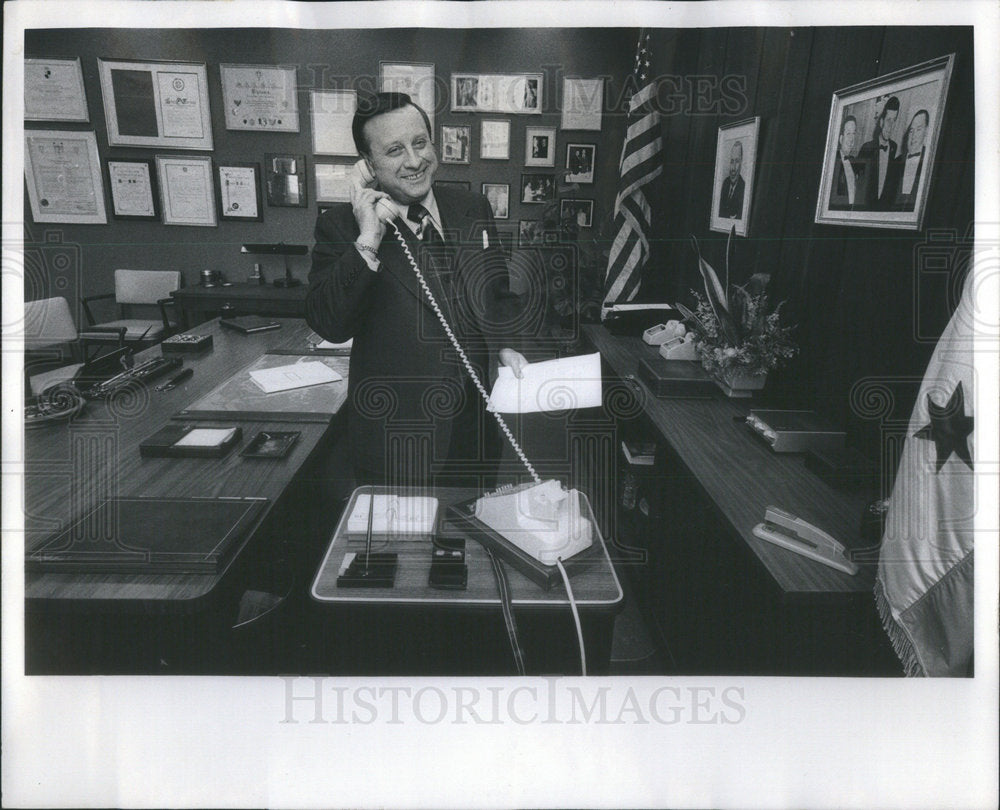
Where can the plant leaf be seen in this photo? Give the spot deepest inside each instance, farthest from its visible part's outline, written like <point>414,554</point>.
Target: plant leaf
<point>716,297</point>
<point>693,320</point>
<point>730,253</point>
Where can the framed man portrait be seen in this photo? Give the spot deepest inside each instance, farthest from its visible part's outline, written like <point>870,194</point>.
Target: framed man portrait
<point>580,162</point>
<point>455,144</point>
<point>880,148</point>
<point>732,188</point>
<point>540,146</point>
<point>499,196</point>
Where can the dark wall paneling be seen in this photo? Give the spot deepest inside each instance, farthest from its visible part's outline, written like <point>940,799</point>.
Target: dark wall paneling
<point>862,304</point>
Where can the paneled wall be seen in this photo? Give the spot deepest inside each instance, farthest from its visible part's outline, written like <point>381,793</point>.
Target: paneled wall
<point>867,301</point>
<point>325,59</point>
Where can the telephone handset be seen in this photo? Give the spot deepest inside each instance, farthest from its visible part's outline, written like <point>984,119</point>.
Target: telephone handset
<point>362,177</point>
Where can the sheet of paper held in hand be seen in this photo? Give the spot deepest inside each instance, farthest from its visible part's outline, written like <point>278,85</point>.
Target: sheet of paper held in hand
<point>296,375</point>
<point>552,385</point>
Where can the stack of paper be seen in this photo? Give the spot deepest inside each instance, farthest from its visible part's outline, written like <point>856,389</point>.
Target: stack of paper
<point>296,375</point>
<point>552,385</point>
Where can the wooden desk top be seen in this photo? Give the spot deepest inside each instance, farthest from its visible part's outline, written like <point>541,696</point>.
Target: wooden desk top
<point>71,466</point>
<point>595,588</point>
<point>743,476</point>
<point>243,291</point>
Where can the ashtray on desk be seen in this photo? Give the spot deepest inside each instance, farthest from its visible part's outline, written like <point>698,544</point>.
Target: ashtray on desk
<point>60,402</point>
<point>271,444</point>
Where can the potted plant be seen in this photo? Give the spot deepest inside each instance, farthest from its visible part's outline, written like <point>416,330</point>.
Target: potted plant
<point>739,337</point>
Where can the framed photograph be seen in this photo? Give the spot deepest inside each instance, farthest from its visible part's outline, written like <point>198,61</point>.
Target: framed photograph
<point>330,116</point>
<point>285,176</point>
<point>156,104</point>
<point>499,196</point>
<point>580,159</point>
<point>53,90</point>
<point>530,232</point>
<point>260,98</point>
<point>463,184</point>
<point>416,79</point>
<point>582,103</point>
<point>333,182</point>
<point>186,190</point>
<point>238,189</point>
<point>538,188</point>
<point>496,92</point>
<point>63,174</point>
<point>133,195</point>
<point>540,146</point>
<point>456,144</point>
<point>735,162</point>
<point>494,140</point>
<point>579,211</point>
<point>881,144</point>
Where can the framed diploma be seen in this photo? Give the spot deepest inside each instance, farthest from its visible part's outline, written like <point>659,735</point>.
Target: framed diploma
<point>333,182</point>
<point>582,103</point>
<point>260,98</point>
<point>156,104</point>
<point>132,192</point>
<point>494,140</point>
<point>238,189</point>
<point>63,175</point>
<point>414,79</point>
<point>496,92</point>
<point>330,115</point>
<point>186,190</point>
<point>53,90</point>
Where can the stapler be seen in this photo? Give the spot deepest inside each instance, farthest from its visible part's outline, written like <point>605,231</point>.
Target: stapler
<point>795,534</point>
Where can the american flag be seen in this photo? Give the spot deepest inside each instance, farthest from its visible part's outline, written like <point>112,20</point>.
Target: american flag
<point>640,164</point>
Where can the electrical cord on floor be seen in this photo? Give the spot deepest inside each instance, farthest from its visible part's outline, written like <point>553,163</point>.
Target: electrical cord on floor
<point>508,612</point>
<point>576,615</point>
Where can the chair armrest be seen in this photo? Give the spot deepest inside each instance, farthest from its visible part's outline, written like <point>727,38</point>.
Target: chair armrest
<point>94,333</point>
<point>85,300</point>
<point>163,303</point>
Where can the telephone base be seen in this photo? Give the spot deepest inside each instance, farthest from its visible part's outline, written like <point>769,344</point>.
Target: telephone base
<point>379,571</point>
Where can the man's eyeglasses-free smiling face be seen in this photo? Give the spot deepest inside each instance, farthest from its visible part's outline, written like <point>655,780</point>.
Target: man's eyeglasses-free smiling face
<point>401,154</point>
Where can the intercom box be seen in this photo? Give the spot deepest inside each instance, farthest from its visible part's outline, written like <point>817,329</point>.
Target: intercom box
<point>676,378</point>
<point>791,431</point>
<point>186,344</point>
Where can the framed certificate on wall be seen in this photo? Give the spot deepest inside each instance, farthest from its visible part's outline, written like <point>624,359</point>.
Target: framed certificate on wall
<point>260,98</point>
<point>330,115</point>
<point>63,174</point>
<point>156,104</point>
<point>132,192</point>
<point>238,189</point>
<point>53,90</point>
<point>186,190</point>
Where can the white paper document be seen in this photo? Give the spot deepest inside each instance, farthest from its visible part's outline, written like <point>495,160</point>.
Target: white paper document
<point>206,437</point>
<point>296,375</point>
<point>552,385</point>
<point>394,514</point>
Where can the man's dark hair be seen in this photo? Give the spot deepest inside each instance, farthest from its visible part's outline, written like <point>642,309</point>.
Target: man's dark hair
<point>848,120</point>
<point>892,103</point>
<point>374,104</point>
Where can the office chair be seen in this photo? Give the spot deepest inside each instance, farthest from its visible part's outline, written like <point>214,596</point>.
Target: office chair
<point>139,288</point>
<point>53,349</point>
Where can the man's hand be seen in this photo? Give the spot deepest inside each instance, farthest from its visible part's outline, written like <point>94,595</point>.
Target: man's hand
<point>371,220</point>
<point>513,360</point>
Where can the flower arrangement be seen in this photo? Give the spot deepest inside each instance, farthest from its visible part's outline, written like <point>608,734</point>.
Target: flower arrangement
<point>736,331</point>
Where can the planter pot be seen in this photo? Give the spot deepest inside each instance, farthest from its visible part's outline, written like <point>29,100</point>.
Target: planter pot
<point>737,383</point>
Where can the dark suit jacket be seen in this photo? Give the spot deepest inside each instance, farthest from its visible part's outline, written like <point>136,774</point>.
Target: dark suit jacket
<point>839,198</point>
<point>732,208</point>
<point>906,202</point>
<point>868,158</point>
<point>405,378</point>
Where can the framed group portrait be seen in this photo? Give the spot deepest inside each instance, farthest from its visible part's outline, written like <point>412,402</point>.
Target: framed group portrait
<point>580,162</point>
<point>881,144</point>
<point>732,187</point>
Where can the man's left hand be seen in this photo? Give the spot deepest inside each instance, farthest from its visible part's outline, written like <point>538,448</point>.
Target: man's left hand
<point>514,360</point>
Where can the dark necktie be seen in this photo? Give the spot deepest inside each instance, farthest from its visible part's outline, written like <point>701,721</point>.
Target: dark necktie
<point>426,232</point>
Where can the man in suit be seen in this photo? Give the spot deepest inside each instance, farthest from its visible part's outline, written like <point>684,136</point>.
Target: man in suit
<point>847,190</point>
<point>877,156</point>
<point>414,416</point>
<point>910,164</point>
<point>731,198</point>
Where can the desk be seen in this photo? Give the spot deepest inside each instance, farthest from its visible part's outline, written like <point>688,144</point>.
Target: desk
<point>198,303</point>
<point>72,466</point>
<point>719,479</point>
<point>412,606</point>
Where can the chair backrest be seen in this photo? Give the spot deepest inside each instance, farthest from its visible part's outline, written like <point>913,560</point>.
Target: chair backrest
<point>48,322</point>
<point>145,286</point>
